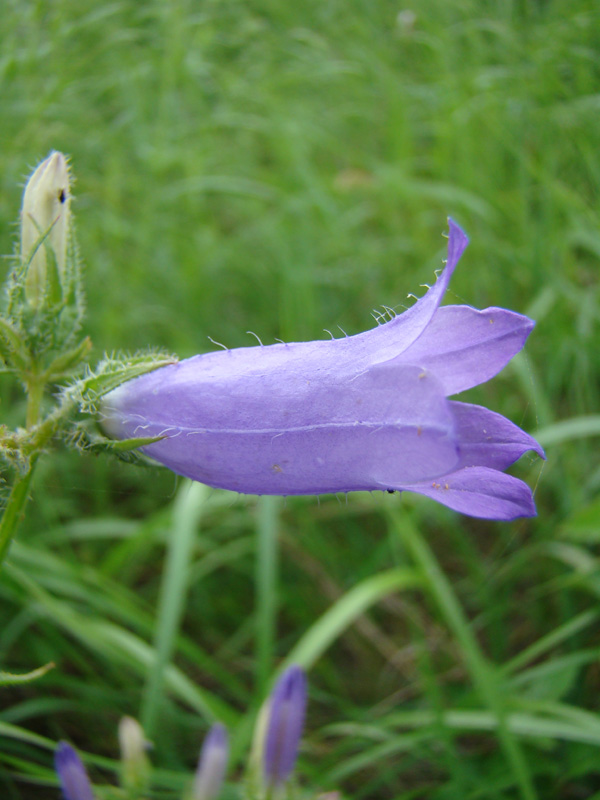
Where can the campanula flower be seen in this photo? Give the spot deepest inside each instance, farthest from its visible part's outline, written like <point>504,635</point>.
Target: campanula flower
<point>285,721</point>
<point>72,776</point>
<point>363,412</point>
<point>211,764</point>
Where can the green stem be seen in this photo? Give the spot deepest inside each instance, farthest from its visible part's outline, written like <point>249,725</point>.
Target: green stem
<point>14,508</point>
<point>35,393</point>
<point>266,589</point>
<point>13,511</point>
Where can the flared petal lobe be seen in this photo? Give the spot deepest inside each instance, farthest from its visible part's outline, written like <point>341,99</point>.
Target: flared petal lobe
<point>396,336</point>
<point>358,413</point>
<point>488,439</point>
<point>464,347</point>
<point>287,708</point>
<point>480,492</point>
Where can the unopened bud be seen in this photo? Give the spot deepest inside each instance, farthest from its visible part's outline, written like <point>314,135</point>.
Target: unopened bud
<point>406,20</point>
<point>133,744</point>
<point>46,210</point>
<point>286,709</point>
<point>72,776</point>
<point>211,765</point>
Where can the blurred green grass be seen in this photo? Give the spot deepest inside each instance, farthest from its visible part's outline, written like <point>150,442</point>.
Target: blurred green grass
<point>284,168</point>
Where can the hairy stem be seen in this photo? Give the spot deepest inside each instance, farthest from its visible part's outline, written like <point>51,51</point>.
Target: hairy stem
<point>40,436</point>
<point>35,393</point>
<point>13,511</point>
<point>15,506</point>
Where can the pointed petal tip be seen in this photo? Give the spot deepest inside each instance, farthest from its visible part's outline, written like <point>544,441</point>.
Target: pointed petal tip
<point>527,510</point>
<point>525,323</point>
<point>487,439</point>
<point>456,232</point>
<point>457,242</point>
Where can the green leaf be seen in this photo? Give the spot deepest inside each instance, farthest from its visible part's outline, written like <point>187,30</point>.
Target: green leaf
<point>53,283</point>
<point>125,445</point>
<point>566,429</point>
<point>486,678</point>
<point>343,613</point>
<point>69,360</point>
<point>9,679</point>
<point>551,640</point>
<point>187,514</point>
<point>12,347</point>
<point>584,524</point>
<point>83,438</point>
<point>13,449</point>
<point>553,679</point>
<point>51,293</point>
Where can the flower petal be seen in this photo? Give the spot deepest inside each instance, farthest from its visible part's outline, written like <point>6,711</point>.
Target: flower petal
<point>487,439</point>
<point>284,371</point>
<point>465,347</point>
<point>385,426</point>
<point>394,337</point>
<point>480,492</point>
<point>380,344</point>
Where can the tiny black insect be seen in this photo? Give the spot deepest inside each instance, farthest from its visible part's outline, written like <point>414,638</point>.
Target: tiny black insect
<point>62,196</point>
<point>390,491</point>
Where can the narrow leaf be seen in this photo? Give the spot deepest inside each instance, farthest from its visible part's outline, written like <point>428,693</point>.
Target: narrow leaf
<point>346,610</point>
<point>9,679</point>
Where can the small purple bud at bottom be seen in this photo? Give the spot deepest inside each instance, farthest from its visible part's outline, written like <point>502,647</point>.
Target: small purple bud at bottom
<point>287,707</point>
<point>72,775</point>
<point>211,764</point>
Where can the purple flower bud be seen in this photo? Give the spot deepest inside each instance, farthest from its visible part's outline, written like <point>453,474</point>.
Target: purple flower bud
<point>362,412</point>
<point>72,776</point>
<point>287,706</point>
<point>212,764</point>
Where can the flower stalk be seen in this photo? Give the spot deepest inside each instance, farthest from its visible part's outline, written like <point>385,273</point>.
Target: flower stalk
<point>14,509</point>
<point>41,345</point>
<point>35,394</point>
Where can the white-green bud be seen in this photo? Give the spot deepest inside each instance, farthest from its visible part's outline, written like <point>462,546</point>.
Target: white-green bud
<point>46,209</point>
<point>134,762</point>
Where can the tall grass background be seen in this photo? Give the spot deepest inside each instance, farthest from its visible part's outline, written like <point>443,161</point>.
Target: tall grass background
<point>282,168</point>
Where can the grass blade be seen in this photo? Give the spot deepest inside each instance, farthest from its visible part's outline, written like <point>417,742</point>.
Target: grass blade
<point>481,671</point>
<point>186,516</point>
